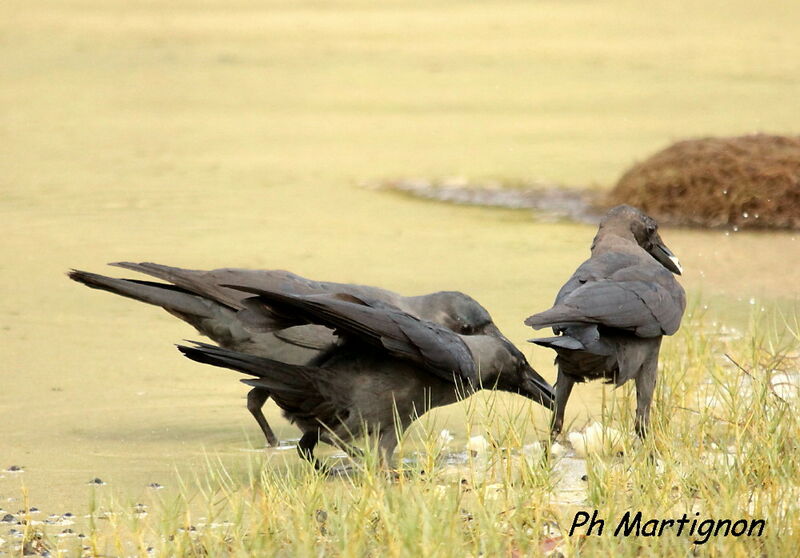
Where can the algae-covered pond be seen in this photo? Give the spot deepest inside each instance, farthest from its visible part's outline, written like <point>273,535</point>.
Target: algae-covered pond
<point>216,135</point>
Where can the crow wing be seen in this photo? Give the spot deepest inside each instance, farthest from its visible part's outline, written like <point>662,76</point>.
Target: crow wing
<point>210,284</point>
<point>306,393</point>
<point>618,290</point>
<point>382,325</point>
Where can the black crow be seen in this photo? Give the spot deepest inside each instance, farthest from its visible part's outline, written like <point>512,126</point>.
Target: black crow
<point>201,299</point>
<point>387,368</point>
<point>610,315</point>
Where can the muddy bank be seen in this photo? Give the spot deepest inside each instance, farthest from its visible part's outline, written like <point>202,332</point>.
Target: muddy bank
<point>549,201</point>
<point>746,182</point>
<point>739,182</point>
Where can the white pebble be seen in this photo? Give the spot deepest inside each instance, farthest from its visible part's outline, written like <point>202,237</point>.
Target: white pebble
<point>477,445</point>
<point>786,386</point>
<point>444,439</point>
<point>533,452</point>
<point>557,450</point>
<point>596,440</point>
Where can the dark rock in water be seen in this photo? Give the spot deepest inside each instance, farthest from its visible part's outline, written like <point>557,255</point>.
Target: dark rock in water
<point>155,486</point>
<point>8,518</point>
<point>97,480</point>
<point>15,469</point>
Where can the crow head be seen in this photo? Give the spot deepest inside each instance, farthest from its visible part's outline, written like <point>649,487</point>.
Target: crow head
<point>645,232</point>
<point>502,366</point>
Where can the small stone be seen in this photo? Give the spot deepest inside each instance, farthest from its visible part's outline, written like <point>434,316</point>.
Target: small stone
<point>155,486</point>
<point>477,445</point>
<point>533,452</point>
<point>97,480</point>
<point>557,450</point>
<point>444,439</point>
<point>8,518</point>
<point>15,469</point>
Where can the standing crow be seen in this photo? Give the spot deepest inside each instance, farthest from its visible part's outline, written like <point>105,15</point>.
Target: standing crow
<point>219,312</point>
<point>610,315</point>
<point>387,368</point>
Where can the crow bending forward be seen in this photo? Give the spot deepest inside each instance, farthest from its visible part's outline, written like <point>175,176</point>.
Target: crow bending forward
<point>201,298</point>
<point>387,368</point>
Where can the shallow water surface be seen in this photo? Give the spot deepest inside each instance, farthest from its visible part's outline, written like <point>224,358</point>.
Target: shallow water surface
<point>93,387</point>
<point>184,138</point>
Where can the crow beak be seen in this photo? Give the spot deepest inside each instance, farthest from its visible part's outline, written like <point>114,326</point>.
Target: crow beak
<point>537,389</point>
<point>665,257</point>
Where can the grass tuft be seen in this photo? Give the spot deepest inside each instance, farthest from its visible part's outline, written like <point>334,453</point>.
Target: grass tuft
<point>723,446</point>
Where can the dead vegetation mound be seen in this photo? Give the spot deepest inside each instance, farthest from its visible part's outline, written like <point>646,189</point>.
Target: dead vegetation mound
<point>743,182</point>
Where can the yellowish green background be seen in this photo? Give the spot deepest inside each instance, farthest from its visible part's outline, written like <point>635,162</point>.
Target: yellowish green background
<point>240,133</point>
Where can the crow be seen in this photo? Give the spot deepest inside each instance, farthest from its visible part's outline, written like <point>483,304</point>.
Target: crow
<point>387,368</point>
<point>200,298</point>
<point>610,316</point>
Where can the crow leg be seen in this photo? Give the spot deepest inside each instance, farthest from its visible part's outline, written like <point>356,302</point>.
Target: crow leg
<point>387,442</point>
<point>645,386</point>
<point>563,390</point>
<point>352,451</point>
<point>255,401</point>
<point>306,445</point>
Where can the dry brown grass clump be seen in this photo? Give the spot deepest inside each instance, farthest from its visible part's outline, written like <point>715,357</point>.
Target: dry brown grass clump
<point>747,181</point>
